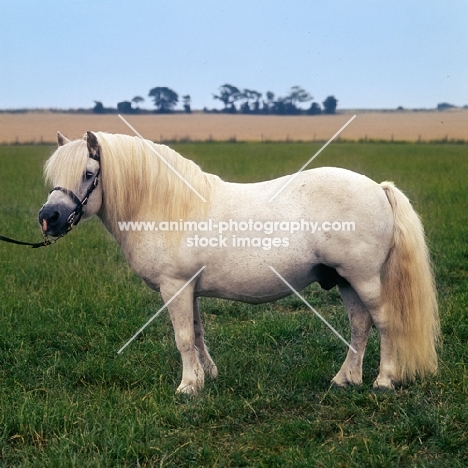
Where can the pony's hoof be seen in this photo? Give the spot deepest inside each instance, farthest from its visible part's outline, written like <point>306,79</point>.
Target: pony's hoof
<point>187,389</point>
<point>343,381</point>
<point>383,385</point>
<point>212,371</point>
<point>339,383</point>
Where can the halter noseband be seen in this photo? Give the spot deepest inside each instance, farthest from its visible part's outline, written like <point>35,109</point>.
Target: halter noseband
<point>77,213</point>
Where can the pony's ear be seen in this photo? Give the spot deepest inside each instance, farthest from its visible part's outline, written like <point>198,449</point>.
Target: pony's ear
<point>93,145</point>
<point>62,140</point>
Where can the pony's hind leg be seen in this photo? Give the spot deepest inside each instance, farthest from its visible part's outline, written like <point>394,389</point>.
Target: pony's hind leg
<point>360,321</point>
<point>371,296</point>
<point>205,359</point>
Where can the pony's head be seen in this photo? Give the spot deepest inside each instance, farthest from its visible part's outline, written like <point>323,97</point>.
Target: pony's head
<point>73,170</point>
<point>140,180</point>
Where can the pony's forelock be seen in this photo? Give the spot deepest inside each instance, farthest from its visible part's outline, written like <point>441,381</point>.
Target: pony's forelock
<point>65,168</point>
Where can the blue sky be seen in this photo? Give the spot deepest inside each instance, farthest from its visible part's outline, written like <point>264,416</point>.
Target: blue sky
<point>368,54</point>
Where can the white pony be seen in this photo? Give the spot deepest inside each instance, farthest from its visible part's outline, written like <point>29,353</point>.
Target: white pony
<point>381,266</point>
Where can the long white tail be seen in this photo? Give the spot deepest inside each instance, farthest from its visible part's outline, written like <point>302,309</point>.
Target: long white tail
<point>409,292</point>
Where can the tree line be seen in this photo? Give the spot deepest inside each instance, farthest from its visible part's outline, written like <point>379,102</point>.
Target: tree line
<point>234,99</point>
<point>248,101</point>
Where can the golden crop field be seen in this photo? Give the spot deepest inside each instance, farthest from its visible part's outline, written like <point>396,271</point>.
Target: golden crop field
<point>399,126</point>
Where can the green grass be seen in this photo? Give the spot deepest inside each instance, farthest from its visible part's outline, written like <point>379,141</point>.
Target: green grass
<point>67,398</point>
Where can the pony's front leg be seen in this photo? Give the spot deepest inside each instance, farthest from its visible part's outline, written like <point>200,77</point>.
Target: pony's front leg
<point>182,317</point>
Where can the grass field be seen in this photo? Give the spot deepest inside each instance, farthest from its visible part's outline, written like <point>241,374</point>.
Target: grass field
<point>67,398</point>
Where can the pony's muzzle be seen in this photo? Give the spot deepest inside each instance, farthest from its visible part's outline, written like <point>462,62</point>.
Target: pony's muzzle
<point>52,221</point>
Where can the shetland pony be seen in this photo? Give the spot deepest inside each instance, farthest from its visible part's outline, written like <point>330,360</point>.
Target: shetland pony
<point>381,267</point>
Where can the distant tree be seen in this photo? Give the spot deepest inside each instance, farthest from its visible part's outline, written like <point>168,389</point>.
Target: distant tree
<point>444,106</point>
<point>314,109</point>
<point>186,100</point>
<point>125,107</point>
<point>98,108</point>
<point>165,99</point>
<point>270,96</point>
<point>288,105</point>
<point>136,100</point>
<point>269,104</point>
<point>228,95</point>
<point>329,105</point>
<point>249,95</point>
<point>281,107</point>
<point>298,95</point>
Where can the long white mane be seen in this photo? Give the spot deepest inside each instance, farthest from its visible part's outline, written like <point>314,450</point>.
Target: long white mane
<point>137,184</point>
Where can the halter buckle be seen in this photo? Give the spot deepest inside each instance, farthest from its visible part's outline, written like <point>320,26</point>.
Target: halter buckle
<point>70,220</point>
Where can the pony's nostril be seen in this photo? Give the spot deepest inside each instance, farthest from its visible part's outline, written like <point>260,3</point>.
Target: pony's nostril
<point>53,218</point>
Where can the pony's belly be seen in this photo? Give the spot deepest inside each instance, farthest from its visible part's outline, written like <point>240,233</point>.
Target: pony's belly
<point>257,286</point>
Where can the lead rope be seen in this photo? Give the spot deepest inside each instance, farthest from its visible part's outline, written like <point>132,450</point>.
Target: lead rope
<point>34,245</point>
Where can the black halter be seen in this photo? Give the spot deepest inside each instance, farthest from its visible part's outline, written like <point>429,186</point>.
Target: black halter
<point>77,213</point>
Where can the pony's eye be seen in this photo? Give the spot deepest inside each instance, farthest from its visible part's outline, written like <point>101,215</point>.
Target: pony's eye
<point>88,175</point>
